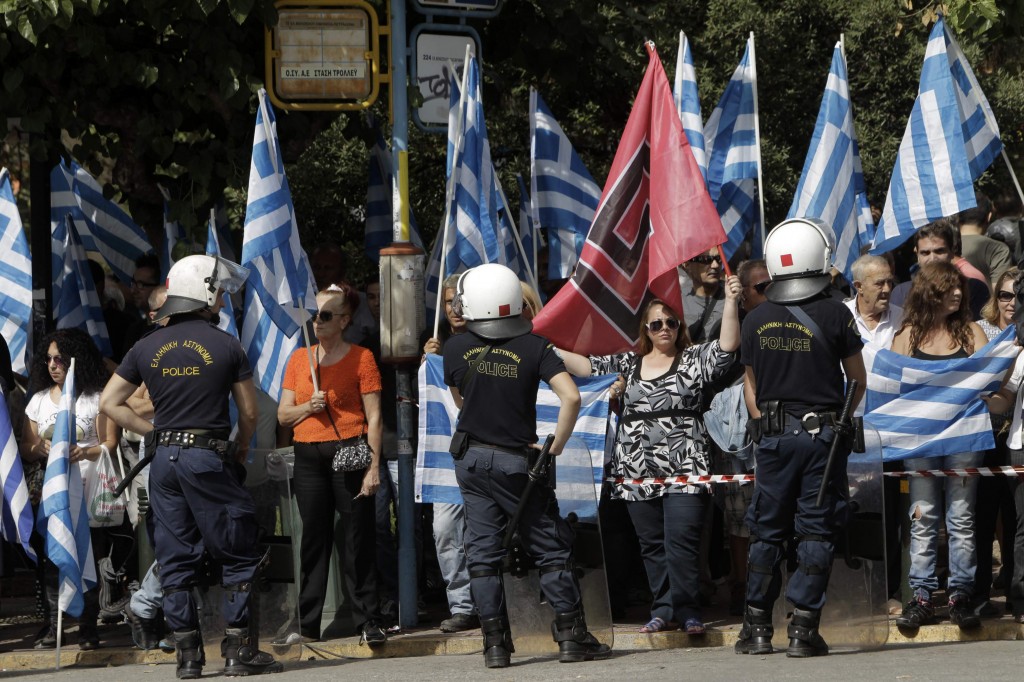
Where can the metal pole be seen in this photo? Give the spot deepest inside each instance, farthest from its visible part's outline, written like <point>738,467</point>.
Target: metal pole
<point>407,583</point>
<point>757,142</point>
<point>42,275</point>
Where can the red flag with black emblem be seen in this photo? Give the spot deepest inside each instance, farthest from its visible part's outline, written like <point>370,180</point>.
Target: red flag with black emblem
<point>655,213</point>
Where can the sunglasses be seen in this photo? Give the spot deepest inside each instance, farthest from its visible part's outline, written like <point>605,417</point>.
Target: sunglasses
<point>1005,296</point>
<point>761,286</point>
<point>655,325</point>
<point>326,315</point>
<point>706,259</point>
<point>136,284</point>
<point>57,360</point>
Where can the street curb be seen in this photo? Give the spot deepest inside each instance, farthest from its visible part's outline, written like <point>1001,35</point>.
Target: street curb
<point>433,643</point>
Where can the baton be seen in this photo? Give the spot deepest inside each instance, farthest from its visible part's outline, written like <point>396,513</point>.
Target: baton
<point>539,472</point>
<point>134,471</point>
<point>844,419</point>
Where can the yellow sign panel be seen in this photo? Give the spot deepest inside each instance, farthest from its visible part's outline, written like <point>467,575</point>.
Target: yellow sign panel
<point>324,55</point>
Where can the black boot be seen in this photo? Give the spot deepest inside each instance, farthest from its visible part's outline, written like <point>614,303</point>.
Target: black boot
<point>497,642</point>
<point>756,633</point>
<point>146,632</point>
<point>243,657</point>
<point>575,643</point>
<point>804,639</point>
<point>189,652</point>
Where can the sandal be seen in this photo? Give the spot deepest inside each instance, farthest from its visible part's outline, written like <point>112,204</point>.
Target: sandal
<point>657,624</point>
<point>694,627</point>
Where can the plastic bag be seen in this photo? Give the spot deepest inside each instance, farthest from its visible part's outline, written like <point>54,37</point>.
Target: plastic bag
<point>105,510</point>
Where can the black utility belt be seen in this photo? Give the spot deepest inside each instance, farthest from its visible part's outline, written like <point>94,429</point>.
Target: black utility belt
<point>774,416</point>
<point>522,452</point>
<point>187,439</point>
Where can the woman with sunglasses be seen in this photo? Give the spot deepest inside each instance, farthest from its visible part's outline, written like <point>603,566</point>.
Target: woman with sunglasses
<point>346,408</point>
<point>937,326</point>
<point>661,435</point>
<point>94,433</point>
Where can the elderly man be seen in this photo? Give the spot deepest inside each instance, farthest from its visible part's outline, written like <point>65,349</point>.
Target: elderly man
<point>877,320</point>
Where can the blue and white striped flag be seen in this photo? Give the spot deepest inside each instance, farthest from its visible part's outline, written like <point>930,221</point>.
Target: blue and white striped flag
<point>172,234</point>
<point>932,408</point>
<point>68,544</point>
<point>951,138</point>
<point>280,286</point>
<point>15,279</point>
<point>17,511</point>
<point>379,195</point>
<point>731,144</point>
<point>528,233</point>
<point>227,311</point>
<point>225,237</point>
<point>832,183</point>
<point>79,304</point>
<point>687,99</point>
<point>435,472</point>
<point>103,226</point>
<point>564,195</point>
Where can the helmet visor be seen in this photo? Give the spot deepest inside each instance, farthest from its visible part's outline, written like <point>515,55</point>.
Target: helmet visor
<point>232,276</point>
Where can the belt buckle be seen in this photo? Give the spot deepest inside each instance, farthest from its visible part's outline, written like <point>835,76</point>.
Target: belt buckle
<point>811,423</point>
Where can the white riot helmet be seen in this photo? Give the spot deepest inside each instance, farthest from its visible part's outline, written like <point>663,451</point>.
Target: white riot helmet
<point>798,254</point>
<point>490,299</point>
<point>193,284</point>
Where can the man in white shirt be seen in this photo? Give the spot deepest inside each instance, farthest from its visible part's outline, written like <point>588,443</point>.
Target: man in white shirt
<point>877,320</point>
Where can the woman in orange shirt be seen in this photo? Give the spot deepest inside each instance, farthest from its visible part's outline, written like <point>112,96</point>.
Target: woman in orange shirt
<point>345,411</point>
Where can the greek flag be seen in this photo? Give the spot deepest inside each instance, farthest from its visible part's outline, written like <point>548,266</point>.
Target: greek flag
<point>15,279</point>
<point>951,138</point>
<point>564,196</point>
<point>103,226</point>
<point>280,283</point>
<point>68,544</point>
<point>225,238</point>
<point>932,408</point>
<point>732,155</point>
<point>227,311</point>
<point>17,511</point>
<point>435,472</point>
<point>832,183</point>
<point>479,229</point>
<point>687,100</point>
<point>532,241</point>
<point>379,194</point>
<point>79,304</point>
<point>173,233</point>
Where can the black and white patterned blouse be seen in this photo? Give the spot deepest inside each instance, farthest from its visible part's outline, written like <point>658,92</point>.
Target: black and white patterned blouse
<point>671,439</point>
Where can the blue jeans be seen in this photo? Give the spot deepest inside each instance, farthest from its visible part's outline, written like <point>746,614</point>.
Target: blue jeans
<point>147,600</point>
<point>449,539</point>
<point>929,499</point>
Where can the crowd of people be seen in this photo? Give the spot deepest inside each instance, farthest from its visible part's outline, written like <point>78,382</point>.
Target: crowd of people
<point>695,360</point>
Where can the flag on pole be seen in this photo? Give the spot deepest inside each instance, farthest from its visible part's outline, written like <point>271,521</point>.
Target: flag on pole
<point>227,311</point>
<point>435,472</point>
<point>172,234</point>
<point>225,237</point>
<point>832,185</point>
<point>528,233</point>
<point>687,99</point>
<point>931,408</point>
<point>280,285</point>
<point>17,511</point>
<point>15,279</point>
<point>564,195</point>
<point>68,544</point>
<point>79,304</point>
<point>654,214</point>
<point>103,226</point>
<point>950,139</point>
<point>379,195</point>
<point>731,144</point>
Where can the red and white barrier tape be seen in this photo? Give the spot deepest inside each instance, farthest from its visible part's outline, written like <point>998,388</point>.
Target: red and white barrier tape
<point>743,478</point>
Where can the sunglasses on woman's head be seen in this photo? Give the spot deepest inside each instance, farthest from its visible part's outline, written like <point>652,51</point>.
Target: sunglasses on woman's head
<point>706,259</point>
<point>655,325</point>
<point>57,360</point>
<point>1005,296</point>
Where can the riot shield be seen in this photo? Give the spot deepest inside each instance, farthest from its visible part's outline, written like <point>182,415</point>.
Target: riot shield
<point>855,616</point>
<point>576,480</point>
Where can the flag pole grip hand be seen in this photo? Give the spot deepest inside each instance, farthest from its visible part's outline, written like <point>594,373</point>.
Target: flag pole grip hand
<point>538,473</point>
<point>843,428</point>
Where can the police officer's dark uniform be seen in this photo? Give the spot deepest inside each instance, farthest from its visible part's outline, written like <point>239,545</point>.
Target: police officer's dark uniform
<point>794,347</point>
<point>495,429</point>
<point>197,496</point>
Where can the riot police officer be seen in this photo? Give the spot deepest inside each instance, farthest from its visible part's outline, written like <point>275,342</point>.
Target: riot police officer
<point>800,332</point>
<point>196,493</point>
<point>494,370</point>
